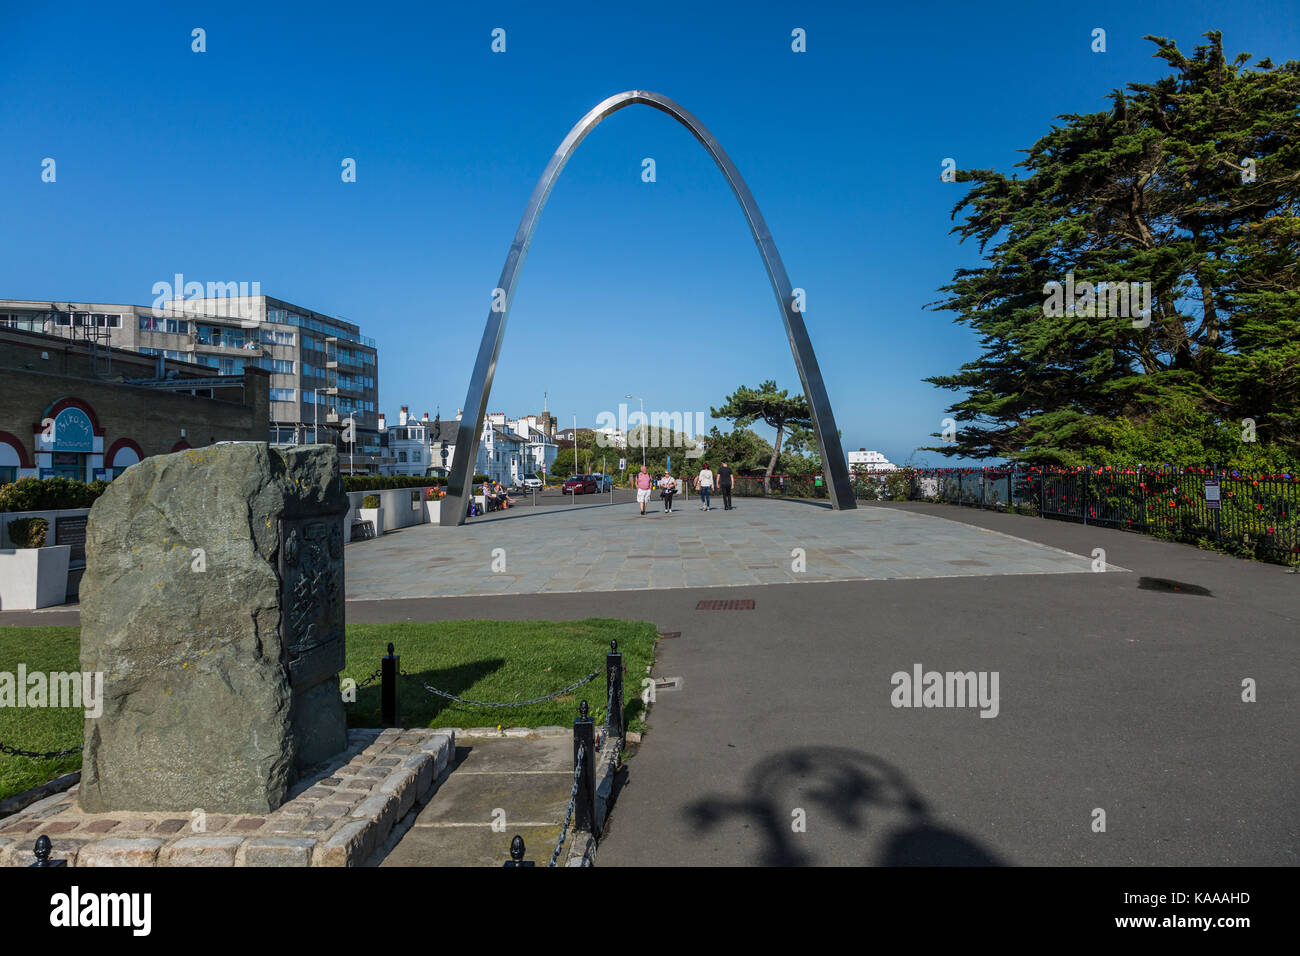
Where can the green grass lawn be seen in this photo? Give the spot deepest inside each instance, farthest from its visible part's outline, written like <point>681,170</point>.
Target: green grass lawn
<point>479,660</point>
<point>44,728</point>
<point>498,661</point>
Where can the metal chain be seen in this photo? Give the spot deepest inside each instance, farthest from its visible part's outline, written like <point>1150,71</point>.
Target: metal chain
<point>371,679</point>
<point>609,704</point>
<point>47,755</point>
<point>573,799</point>
<point>513,703</point>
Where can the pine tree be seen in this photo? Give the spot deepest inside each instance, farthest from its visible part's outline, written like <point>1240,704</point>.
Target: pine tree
<point>1192,184</point>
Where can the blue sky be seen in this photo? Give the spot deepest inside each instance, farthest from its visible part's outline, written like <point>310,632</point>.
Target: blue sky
<point>225,166</point>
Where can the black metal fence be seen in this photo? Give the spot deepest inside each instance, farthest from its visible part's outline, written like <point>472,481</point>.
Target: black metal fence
<point>1255,515</point>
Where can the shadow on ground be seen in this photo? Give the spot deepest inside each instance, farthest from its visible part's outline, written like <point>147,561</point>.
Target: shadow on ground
<point>854,789</point>
<point>367,711</point>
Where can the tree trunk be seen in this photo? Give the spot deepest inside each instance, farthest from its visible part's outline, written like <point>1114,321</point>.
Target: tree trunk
<point>771,465</point>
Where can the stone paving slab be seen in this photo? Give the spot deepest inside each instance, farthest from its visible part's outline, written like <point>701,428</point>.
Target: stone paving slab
<point>612,548</point>
<point>475,799</point>
<point>515,754</point>
<point>479,846</point>
<point>529,778</point>
<point>338,816</point>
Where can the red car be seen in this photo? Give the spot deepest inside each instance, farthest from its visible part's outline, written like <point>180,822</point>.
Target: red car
<point>580,485</point>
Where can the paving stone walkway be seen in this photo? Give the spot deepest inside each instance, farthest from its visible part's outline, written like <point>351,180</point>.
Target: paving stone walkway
<point>611,547</point>
<point>523,781</point>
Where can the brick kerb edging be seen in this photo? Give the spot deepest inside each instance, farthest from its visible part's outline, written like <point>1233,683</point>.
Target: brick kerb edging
<point>335,817</point>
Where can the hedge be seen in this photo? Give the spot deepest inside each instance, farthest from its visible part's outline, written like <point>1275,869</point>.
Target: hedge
<point>49,494</point>
<point>388,482</point>
<point>28,532</point>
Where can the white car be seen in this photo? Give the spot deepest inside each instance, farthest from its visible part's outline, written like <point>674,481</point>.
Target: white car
<point>532,483</point>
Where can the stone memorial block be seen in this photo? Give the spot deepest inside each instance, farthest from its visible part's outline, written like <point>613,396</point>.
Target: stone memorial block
<point>213,604</point>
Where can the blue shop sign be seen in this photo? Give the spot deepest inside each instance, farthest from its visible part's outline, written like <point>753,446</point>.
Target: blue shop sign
<point>73,431</point>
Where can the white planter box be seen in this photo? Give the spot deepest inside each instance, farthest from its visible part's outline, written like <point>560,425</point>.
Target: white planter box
<point>373,514</point>
<point>32,578</point>
<point>433,510</point>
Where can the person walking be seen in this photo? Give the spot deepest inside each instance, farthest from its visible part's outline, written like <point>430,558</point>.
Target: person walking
<point>704,482</point>
<point>725,482</point>
<point>643,485</point>
<point>667,488</point>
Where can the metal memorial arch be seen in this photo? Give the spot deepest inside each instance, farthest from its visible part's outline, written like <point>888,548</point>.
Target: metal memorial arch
<point>459,486</point>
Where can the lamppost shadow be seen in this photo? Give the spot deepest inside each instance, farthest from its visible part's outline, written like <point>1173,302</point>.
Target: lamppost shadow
<point>849,786</point>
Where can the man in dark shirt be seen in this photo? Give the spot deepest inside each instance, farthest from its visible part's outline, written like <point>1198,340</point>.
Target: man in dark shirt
<point>724,485</point>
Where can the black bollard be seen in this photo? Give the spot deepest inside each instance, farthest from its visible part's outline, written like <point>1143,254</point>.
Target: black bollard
<point>584,742</point>
<point>390,667</point>
<point>614,690</point>
<point>43,850</point>
<point>517,853</point>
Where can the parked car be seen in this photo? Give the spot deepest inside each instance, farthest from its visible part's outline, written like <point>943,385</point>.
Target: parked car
<point>532,483</point>
<point>603,482</point>
<point>580,485</point>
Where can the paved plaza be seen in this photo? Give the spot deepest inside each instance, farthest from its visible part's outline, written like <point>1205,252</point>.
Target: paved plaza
<point>610,547</point>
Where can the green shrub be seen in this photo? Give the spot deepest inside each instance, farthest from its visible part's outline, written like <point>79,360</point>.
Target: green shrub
<point>28,532</point>
<point>370,501</point>
<point>49,494</point>
<point>898,484</point>
<point>388,482</point>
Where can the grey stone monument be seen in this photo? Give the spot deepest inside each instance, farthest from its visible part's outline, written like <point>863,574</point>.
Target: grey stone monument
<point>213,605</point>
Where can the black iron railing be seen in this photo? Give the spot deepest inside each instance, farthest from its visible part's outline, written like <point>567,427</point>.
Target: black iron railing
<point>1247,514</point>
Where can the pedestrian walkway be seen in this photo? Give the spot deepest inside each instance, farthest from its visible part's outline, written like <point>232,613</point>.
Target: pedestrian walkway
<point>613,548</point>
<point>499,787</point>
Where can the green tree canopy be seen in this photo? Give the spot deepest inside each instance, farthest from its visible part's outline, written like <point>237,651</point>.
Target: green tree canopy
<point>774,407</point>
<point>1191,184</point>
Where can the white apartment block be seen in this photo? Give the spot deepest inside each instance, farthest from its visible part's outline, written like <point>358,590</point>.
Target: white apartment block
<point>509,449</point>
<point>864,460</point>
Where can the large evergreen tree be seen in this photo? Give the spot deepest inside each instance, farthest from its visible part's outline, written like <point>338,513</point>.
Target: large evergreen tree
<point>1191,183</point>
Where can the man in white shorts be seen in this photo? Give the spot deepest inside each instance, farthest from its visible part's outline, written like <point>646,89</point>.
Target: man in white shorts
<point>643,486</point>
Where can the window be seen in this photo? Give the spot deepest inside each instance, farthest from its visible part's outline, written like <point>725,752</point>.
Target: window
<point>278,366</point>
<point>151,323</point>
<point>18,320</point>
<point>226,366</point>
<point>172,354</point>
<point>8,473</point>
<point>276,337</point>
<point>284,395</point>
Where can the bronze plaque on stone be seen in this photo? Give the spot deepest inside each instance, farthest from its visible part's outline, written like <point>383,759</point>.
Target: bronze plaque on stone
<point>311,598</point>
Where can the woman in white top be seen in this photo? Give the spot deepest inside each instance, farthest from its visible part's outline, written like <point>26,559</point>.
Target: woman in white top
<point>704,483</point>
<point>667,488</point>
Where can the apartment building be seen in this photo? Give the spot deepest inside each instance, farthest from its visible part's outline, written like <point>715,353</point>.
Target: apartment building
<point>323,371</point>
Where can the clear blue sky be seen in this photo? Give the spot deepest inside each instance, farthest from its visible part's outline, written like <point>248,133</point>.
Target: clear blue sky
<point>225,166</point>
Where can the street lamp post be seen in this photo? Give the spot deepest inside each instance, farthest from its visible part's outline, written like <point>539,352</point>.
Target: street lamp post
<point>643,426</point>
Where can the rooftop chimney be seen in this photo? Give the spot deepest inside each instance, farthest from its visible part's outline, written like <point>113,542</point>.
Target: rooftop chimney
<point>401,420</point>
<point>382,425</point>
<point>425,418</point>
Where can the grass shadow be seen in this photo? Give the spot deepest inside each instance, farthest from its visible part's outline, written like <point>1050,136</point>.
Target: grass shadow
<point>417,706</point>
